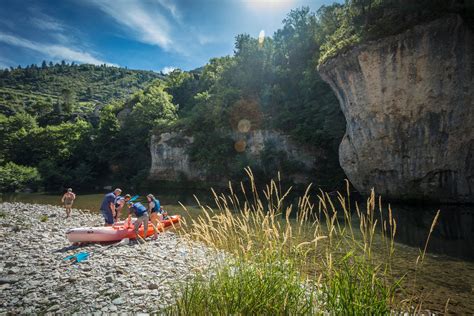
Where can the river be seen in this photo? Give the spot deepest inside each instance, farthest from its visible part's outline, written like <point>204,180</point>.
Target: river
<point>449,267</point>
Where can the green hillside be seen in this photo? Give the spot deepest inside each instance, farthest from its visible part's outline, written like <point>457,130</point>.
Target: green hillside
<point>67,88</point>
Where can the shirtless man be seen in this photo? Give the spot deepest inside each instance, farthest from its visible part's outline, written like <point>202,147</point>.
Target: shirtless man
<point>68,198</point>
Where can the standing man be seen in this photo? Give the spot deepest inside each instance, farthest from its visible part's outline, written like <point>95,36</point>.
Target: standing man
<point>107,207</point>
<point>68,199</point>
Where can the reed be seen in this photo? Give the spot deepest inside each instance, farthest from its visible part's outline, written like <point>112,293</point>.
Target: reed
<point>310,256</point>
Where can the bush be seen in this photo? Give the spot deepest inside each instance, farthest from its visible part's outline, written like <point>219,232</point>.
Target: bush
<point>16,177</point>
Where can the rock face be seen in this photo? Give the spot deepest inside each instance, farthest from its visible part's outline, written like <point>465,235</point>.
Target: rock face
<point>409,106</point>
<point>170,160</point>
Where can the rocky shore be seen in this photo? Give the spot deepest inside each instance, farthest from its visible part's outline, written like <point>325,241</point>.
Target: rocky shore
<point>128,278</point>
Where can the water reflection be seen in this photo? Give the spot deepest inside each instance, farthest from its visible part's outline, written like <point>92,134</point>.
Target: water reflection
<point>453,235</point>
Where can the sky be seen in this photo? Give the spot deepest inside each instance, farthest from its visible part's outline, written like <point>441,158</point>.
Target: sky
<point>158,35</point>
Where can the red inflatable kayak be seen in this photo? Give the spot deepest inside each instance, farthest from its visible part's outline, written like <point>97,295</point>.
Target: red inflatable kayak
<point>116,232</point>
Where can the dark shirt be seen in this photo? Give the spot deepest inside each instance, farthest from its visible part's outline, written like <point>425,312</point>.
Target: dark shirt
<point>108,198</point>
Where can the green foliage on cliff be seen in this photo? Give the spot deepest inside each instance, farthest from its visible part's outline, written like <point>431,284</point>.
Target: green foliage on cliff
<point>272,84</point>
<point>148,109</point>
<point>358,21</point>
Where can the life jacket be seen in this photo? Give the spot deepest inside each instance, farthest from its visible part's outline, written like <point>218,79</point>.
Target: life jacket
<point>139,209</point>
<point>157,206</point>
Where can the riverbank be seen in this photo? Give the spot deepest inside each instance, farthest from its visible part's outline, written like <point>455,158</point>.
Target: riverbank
<point>130,278</point>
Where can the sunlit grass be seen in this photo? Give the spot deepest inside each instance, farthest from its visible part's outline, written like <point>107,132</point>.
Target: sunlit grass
<point>323,244</point>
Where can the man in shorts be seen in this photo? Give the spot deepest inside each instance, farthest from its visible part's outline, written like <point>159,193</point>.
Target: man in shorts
<point>68,198</point>
<point>107,208</point>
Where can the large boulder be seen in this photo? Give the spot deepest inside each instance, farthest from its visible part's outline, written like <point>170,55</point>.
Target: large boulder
<point>409,106</point>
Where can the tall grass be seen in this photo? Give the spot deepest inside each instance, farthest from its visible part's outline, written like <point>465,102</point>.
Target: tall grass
<point>314,255</point>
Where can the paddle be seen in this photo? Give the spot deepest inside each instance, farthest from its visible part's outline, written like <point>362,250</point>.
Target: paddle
<point>78,257</point>
<point>81,256</point>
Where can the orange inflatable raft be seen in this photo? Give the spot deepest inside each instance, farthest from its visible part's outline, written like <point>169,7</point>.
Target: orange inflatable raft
<point>116,232</point>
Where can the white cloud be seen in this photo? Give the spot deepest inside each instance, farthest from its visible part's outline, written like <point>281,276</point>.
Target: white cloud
<point>170,6</point>
<point>166,70</point>
<point>52,50</point>
<point>146,23</point>
<point>205,39</point>
<point>45,22</point>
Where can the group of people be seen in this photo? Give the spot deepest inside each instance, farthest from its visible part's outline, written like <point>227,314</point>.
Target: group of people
<point>113,204</point>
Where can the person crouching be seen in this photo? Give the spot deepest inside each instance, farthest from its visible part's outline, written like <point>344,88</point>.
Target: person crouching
<point>141,213</point>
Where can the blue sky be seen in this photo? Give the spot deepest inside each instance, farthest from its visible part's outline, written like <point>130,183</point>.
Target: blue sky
<point>138,34</point>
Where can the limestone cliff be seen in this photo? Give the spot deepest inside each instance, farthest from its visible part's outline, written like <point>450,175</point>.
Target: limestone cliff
<point>409,107</point>
<point>170,159</point>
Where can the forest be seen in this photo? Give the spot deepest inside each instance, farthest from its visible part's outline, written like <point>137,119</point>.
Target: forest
<point>84,125</point>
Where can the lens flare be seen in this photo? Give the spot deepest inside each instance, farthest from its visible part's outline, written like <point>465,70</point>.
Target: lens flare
<point>240,146</point>
<point>261,37</point>
<point>244,126</point>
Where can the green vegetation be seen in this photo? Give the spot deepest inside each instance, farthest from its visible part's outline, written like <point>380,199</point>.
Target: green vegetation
<point>272,84</point>
<point>359,21</point>
<point>15,177</point>
<point>85,125</point>
<point>67,89</point>
<point>313,256</point>
<point>247,289</point>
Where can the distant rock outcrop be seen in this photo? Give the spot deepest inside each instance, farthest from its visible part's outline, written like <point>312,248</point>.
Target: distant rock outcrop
<point>409,106</point>
<point>171,161</point>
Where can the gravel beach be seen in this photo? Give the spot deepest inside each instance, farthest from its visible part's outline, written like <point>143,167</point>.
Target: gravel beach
<point>130,278</point>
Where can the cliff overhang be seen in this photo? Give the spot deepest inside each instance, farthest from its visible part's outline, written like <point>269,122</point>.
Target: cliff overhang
<point>408,101</point>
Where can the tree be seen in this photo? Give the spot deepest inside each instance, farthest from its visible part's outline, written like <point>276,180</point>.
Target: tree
<point>182,86</point>
<point>68,97</point>
<point>16,177</point>
<point>14,132</point>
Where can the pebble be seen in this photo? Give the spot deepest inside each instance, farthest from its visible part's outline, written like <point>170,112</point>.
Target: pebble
<point>118,301</point>
<point>34,278</point>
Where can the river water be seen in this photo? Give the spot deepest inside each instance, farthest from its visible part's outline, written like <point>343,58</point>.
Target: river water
<point>448,272</point>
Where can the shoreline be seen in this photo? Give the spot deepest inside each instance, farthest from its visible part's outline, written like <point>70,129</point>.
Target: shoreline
<point>132,278</point>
